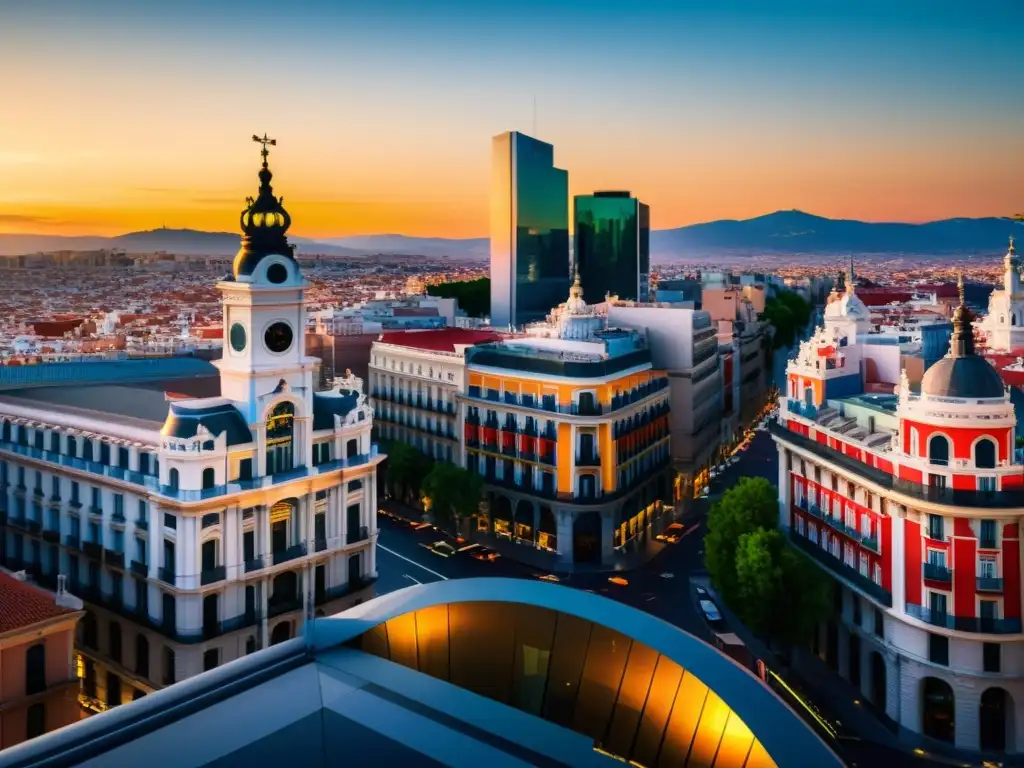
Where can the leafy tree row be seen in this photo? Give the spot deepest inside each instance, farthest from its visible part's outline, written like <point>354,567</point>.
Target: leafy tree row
<point>777,591</point>
<point>788,312</point>
<point>448,492</point>
<point>474,295</point>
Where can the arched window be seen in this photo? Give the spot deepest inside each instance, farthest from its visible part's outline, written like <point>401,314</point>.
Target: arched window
<point>72,447</point>
<point>938,450</point>
<point>35,720</point>
<point>280,430</point>
<point>35,669</point>
<point>141,655</point>
<point>985,454</point>
<point>938,710</point>
<point>208,478</point>
<point>172,479</point>
<point>352,448</point>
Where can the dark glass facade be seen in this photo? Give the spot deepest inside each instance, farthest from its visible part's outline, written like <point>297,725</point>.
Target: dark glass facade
<point>613,246</point>
<point>529,230</point>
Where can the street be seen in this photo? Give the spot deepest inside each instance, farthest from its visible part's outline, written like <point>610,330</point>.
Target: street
<point>661,587</point>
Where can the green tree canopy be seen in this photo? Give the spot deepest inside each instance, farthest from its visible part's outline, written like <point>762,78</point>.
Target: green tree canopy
<point>406,468</point>
<point>774,589</point>
<point>751,504</point>
<point>788,313</point>
<point>781,594</point>
<point>453,492</point>
<point>474,295</point>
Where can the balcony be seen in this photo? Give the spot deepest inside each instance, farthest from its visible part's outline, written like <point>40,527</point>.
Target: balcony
<point>293,552</point>
<point>139,569</point>
<point>871,543</point>
<point>1012,499</point>
<point>168,576</point>
<point>52,536</point>
<point>255,564</point>
<point>142,524</point>
<point>117,521</point>
<point>875,591</point>
<point>95,510</point>
<point>114,559</point>
<point>936,572</point>
<point>990,584</point>
<point>212,575</point>
<point>72,542</point>
<point>986,626</point>
<point>278,605</point>
<point>16,522</point>
<point>33,526</point>
<point>588,460</point>
<point>92,549</point>
<point>355,535</point>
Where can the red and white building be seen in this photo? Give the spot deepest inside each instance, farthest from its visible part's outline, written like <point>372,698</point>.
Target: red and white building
<point>912,503</point>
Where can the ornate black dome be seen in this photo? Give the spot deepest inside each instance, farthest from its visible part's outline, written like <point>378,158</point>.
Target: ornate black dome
<point>264,223</point>
<point>961,373</point>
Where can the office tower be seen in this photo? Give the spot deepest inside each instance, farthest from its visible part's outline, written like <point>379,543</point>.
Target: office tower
<point>529,230</point>
<point>612,245</point>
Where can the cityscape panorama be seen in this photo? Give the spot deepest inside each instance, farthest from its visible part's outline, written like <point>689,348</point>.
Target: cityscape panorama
<point>513,384</point>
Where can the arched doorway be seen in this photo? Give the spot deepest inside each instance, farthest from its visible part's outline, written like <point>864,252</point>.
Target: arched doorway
<point>280,436</point>
<point>501,511</point>
<point>282,631</point>
<point>853,657</point>
<point>996,721</point>
<point>938,719</point>
<point>586,538</point>
<point>524,521</point>
<point>878,681</point>
<point>285,591</point>
<point>832,646</point>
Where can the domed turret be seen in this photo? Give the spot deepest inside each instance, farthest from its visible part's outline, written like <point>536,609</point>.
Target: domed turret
<point>264,223</point>
<point>961,373</point>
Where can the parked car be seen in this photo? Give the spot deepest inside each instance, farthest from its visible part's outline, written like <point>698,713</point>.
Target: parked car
<point>448,548</point>
<point>712,615</point>
<point>671,534</point>
<point>481,553</point>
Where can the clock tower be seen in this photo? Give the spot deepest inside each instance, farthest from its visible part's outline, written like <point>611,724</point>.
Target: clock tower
<point>264,369</point>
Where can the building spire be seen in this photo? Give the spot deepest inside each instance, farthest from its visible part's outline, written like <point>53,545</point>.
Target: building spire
<point>961,344</point>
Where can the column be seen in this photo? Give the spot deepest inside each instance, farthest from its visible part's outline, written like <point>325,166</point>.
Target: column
<point>264,612</point>
<point>154,540</point>
<point>260,464</point>
<point>263,547</point>
<point>784,490</point>
<point>967,716</point>
<point>564,536</point>
<point>897,558</point>
<point>607,535</point>
<point>372,567</point>
<point>187,552</point>
<point>343,510</point>
<point>231,542</point>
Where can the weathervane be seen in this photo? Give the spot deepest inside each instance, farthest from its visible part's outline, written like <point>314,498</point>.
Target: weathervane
<point>265,142</point>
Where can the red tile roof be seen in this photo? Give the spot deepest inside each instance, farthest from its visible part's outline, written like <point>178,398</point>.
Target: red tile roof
<point>22,605</point>
<point>440,339</point>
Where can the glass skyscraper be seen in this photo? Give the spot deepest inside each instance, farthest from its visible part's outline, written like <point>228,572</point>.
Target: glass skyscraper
<point>612,246</point>
<point>529,230</point>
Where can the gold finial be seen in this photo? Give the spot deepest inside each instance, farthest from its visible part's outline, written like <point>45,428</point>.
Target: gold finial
<point>265,142</point>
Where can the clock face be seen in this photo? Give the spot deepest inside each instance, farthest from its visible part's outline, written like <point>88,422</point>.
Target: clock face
<point>276,273</point>
<point>278,337</point>
<point>238,337</point>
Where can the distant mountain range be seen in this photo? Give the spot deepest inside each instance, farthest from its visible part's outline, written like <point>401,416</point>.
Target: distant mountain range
<point>793,232</point>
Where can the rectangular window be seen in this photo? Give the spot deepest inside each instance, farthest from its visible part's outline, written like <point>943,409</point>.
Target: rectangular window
<point>74,492</point>
<point>96,498</point>
<point>937,603</point>
<point>938,649</point>
<point>143,511</point>
<point>879,628</point>
<point>935,528</point>
<point>987,567</point>
<point>986,484</point>
<point>168,666</point>
<point>118,506</point>
<point>170,521</point>
<point>987,535</point>
<point>55,487</point>
<point>988,610</point>
<point>937,557</point>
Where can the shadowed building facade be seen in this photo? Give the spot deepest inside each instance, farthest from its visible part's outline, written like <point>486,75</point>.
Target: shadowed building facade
<point>529,230</point>
<point>612,245</point>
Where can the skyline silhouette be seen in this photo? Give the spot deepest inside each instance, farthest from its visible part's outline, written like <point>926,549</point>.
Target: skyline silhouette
<point>385,113</point>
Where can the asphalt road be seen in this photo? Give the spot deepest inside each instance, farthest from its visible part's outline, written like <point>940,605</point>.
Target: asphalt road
<point>661,587</point>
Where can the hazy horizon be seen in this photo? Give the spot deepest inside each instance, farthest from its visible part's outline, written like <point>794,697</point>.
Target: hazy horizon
<point>384,112</point>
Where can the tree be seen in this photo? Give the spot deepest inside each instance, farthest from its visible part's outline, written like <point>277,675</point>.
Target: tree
<point>451,493</point>
<point>474,296</point>
<point>788,313</point>
<point>780,593</point>
<point>406,469</point>
<point>751,504</point>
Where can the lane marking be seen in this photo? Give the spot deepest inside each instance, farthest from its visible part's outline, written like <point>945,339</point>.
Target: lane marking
<point>410,578</point>
<point>403,557</point>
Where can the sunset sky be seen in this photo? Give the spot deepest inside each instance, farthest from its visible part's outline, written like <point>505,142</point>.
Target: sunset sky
<point>117,115</point>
